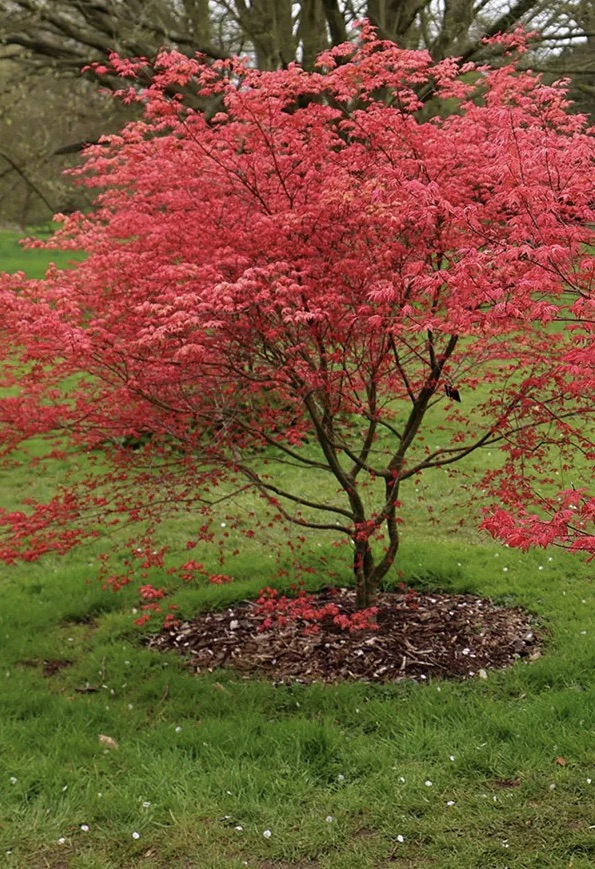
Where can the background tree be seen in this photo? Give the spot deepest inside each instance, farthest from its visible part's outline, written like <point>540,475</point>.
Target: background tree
<point>54,39</point>
<point>577,60</point>
<point>37,145</point>
<point>333,284</point>
<point>68,34</point>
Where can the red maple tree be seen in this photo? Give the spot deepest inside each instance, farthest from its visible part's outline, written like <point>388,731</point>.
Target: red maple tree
<point>322,273</point>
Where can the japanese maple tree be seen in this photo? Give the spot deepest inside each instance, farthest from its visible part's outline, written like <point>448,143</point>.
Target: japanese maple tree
<point>322,274</point>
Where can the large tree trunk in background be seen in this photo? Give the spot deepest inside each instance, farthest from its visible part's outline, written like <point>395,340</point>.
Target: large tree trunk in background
<point>268,24</point>
<point>312,31</point>
<point>395,19</point>
<point>456,21</point>
<point>197,12</point>
<point>335,21</point>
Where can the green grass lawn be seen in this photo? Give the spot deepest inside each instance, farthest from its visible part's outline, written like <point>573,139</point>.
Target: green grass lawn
<point>14,258</point>
<point>218,771</point>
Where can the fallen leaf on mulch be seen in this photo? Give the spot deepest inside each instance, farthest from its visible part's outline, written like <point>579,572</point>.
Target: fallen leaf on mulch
<point>442,635</point>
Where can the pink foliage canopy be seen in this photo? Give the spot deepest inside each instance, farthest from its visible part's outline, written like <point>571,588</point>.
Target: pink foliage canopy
<point>312,272</point>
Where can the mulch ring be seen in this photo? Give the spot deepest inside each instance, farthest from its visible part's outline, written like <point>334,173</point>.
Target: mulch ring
<point>428,635</point>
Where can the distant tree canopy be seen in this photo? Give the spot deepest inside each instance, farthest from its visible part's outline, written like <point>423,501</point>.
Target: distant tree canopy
<point>67,34</point>
<point>39,142</point>
<point>43,42</point>
<point>577,60</point>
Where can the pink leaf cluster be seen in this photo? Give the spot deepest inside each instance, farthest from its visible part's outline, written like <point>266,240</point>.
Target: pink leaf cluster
<point>278,610</point>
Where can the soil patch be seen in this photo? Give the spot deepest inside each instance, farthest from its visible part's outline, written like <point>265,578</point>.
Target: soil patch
<point>420,636</point>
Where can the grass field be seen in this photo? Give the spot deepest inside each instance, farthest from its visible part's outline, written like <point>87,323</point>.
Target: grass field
<point>13,258</point>
<point>114,756</point>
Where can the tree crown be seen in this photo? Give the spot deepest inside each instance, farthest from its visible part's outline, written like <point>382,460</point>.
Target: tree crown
<point>315,275</point>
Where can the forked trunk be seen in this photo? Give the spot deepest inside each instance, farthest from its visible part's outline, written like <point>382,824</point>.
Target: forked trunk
<point>368,574</point>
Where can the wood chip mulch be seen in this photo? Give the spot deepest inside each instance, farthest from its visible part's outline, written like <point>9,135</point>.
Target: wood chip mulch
<point>420,637</point>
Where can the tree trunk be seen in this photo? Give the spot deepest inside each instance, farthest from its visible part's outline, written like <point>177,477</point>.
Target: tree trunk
<point>366,583</point>
<point>268,23</point>
<point>312,32</point>
<point>368,574</point>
